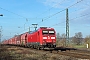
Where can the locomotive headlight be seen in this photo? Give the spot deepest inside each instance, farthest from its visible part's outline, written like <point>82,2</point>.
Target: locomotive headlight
<point>44,37</point>
<point>52,37</point>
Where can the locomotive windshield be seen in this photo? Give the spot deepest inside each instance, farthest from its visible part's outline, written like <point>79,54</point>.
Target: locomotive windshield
<point>45,32</point>
<point>51,32</point>
<point>48,32</point>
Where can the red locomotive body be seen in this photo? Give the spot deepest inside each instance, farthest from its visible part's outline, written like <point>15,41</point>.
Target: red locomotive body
<point>43,37</point>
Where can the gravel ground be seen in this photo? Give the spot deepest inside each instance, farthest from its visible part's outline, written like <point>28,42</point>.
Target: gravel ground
<point>19,53</point>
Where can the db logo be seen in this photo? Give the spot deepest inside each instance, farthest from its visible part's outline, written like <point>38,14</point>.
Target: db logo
<point>48,37</point>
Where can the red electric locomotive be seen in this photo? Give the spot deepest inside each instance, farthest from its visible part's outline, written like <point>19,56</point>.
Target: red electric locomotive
<point>42,38</point>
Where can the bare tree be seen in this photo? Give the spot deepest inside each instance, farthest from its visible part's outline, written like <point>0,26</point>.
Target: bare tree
<point>63,41</point>
<point>77,39</point>
<point>87,39</point>
<point>58,35</point>
<point>58,39</point>
<point>74,40</point>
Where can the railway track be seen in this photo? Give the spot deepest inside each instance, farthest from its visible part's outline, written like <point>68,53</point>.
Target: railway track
<point>83,54</point>
<point>74,54</point>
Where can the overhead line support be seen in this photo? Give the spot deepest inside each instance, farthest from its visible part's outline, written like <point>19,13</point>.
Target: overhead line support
<point>67,27</point>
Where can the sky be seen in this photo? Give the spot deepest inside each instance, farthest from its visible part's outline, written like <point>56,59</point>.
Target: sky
<point>19,15</point>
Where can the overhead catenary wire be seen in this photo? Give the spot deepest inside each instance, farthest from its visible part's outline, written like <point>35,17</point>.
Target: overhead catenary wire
<point>71,19</point>
<point>15,14</point>
<point>26,30</point>
<point>51,8</point>
<point>58,12</point>
<point>25,17</point>
<point>12,12</point>
<point>44,19</point>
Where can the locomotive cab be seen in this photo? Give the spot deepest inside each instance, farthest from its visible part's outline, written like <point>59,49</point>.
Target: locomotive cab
<point>48,38</point>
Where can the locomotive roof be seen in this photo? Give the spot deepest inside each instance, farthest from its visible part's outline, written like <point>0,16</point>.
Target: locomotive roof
<point>39,29</point>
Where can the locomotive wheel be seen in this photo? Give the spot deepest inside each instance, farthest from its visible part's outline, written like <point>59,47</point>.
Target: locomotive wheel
<point>43,48</point>
<point>38,48</point>
<point>34,47</point>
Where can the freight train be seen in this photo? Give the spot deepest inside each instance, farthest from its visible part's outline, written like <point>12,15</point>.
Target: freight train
<point>43,37</point>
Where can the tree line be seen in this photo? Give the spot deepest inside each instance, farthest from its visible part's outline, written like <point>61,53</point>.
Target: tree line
<point>77,39</point>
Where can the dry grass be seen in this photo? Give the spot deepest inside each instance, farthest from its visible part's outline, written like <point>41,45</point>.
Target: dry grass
<point>13,53</point>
